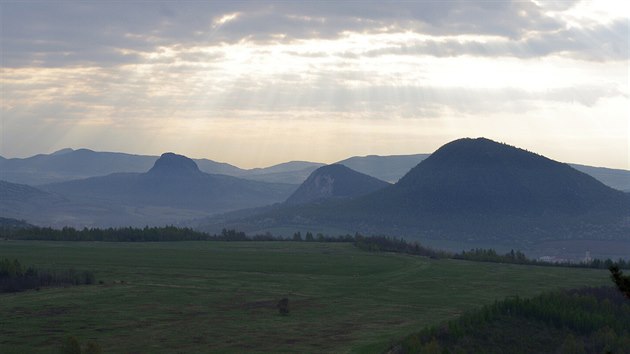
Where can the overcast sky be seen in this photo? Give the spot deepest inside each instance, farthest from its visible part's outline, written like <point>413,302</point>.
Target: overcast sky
<point>255,83</point>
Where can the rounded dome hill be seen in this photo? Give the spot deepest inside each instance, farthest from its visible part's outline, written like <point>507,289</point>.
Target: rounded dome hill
<point>482,175</point>
<point>335,181</point>
<point>170,164</point>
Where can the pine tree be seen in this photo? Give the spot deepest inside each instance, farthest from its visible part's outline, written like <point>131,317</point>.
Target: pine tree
<point>622,282</point>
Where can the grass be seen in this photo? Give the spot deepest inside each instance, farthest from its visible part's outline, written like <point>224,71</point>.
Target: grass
<point>221,297</point>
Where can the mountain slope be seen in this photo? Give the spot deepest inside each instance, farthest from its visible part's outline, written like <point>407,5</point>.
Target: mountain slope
<point>290,166</point>
<point>172,191</point>
<point>174,181</point>
<point>293,172</point>
<point>69,164</point>
<point>334,181</point>
<point>472,189</point>
<point>20,192</point>
<point>615,178</point>
<point>23,202</point>
<point>480,175</point>
<point>386,168</point>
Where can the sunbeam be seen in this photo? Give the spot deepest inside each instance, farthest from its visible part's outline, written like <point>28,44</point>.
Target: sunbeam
<point>240,68</point>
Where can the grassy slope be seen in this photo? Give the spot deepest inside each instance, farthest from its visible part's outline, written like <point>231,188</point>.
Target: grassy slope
<point>195,296</point>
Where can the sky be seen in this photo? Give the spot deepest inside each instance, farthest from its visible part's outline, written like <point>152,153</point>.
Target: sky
<point>255,83</point>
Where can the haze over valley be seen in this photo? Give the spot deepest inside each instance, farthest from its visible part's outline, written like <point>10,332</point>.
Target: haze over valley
<point>470,192</point>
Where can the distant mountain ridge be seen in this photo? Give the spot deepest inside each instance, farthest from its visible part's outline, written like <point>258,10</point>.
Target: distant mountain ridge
<point>387,168</point>
<point>13,191</point>
<point>294,172</point>
<point>175,180</point>
<point>615,178</point>
<point>470,189</point>
<point>172,191</point>
<point>334,181</point>
<point>68,164</point>
<point>23,202</point>
<point>286,167</point>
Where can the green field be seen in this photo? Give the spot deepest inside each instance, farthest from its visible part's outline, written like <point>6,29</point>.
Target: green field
<point>221,297</point>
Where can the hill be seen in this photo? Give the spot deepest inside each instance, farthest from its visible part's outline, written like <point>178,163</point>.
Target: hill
<point>290,166</point>
<point>585,320</point>
<point>471,190</point>
<point>481,176</point>
<point>172,191</point>
<point>387,168</point>
<point>175,181</point>
<point>293,172</point>
<point>615,178</point>
<point>334,181</point>
<point>480,189</point>
<point>39,207</point>
<point>68,164</point>
<point>20,201</point>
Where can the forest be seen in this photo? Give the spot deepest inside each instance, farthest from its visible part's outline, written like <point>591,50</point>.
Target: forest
<point>15,277</point>
<point>367,243</point>
<point>399,245</point>
<point>585,320</point>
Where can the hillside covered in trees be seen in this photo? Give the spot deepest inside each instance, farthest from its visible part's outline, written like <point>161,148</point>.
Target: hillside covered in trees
<point>587,320</point>
<point>473,190</point>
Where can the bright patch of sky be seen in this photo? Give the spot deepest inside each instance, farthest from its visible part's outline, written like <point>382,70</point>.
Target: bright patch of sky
<point>255,83</point>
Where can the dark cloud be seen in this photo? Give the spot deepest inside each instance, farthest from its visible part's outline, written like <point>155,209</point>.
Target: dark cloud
<point>110,32</point>
<point>599,43</point>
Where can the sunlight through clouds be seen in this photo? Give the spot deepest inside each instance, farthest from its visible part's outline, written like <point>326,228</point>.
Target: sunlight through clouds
<point>210,80</point>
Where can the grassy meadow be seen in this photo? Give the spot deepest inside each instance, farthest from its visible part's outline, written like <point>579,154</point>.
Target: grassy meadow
<point>222,296</point>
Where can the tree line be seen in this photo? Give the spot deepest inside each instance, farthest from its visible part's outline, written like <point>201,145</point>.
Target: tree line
<point>16,277</point>
<point>368,243</point>
<point>155,234</point>
<point>124,234</point>
<point>593,320</point>
<point>399,245</point>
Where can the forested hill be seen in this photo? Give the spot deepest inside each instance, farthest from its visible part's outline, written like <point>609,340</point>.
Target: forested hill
<point>588,320</point>
<point>482,176</point>
<point>334,181</point>
<point>470,189</point>
<point>175,181</point>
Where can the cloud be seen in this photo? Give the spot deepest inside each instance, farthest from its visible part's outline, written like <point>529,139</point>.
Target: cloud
<point>54,34</point>
<point>162,92</point>
<point>601,43</point>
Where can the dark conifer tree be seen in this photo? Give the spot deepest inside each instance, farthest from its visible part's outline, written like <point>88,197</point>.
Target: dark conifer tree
<point>622,282</point>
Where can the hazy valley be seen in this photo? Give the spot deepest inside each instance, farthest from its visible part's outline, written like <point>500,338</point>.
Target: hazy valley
<point>470,192</point>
